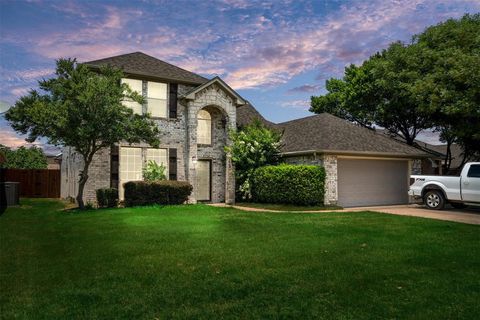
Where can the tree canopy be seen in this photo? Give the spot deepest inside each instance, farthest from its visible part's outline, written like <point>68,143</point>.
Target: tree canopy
<point>83,109</point>
<point>23,158</point>
<point>431,83</point>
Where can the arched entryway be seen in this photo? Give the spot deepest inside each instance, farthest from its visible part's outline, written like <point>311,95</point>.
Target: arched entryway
<point>210,166</point>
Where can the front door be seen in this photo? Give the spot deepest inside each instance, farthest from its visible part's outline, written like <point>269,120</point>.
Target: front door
<point>204,180</point>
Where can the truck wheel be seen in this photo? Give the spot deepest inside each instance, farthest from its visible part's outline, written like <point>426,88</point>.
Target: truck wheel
<point>434,199</point>
<point>458,205</point>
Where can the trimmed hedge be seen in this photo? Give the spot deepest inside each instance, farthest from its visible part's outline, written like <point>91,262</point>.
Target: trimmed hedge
<point>142,193</point>
<point>107,197</point>
<point>289,184</point>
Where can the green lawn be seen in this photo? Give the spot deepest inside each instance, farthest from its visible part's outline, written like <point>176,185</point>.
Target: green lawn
<point>205,262</point>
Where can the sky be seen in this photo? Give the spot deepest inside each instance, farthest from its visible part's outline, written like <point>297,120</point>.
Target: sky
<point>276,54</point>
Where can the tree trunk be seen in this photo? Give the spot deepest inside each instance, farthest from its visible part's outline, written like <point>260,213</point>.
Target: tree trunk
<point>81,183</point>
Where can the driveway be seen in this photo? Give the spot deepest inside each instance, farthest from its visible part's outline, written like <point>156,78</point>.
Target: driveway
<point>468,215</point>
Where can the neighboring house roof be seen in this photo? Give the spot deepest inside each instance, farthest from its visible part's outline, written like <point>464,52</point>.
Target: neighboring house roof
<point>429,148</point>
<point>455,149</point>
<point>329,134</point>
<point>141,64</point>
<point>237,98</point>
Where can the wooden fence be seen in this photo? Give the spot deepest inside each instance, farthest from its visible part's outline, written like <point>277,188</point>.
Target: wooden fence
<point>34,183</point>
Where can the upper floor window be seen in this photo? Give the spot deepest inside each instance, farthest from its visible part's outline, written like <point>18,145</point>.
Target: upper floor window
<point>136,86</point>
<point>204,130</point>
<point>157,99</point>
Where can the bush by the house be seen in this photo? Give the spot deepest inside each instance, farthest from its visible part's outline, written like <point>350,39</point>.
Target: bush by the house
<point>107,197</point>
<point>154,171</point>
<point>289,184</point>
<point>142,193</point>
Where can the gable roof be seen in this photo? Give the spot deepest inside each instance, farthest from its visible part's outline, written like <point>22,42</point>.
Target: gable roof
<point>329,134</point>
<point>143,65</point>
<point>191,94</point>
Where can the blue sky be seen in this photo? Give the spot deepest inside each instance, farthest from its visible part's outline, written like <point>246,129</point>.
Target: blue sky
<point>274,53</point>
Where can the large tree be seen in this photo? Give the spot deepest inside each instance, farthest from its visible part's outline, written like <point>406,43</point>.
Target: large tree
<point>450,90</point>
<point>82,109</point>
<point>433,83</point>
<point>379,92</point>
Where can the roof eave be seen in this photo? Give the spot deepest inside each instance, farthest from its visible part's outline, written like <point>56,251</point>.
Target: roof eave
<point>359,153</point>
<point>239,101</point>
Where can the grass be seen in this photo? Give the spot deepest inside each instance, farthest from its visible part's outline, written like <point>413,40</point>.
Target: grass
<point>202,262</point>
<point>285,207</point>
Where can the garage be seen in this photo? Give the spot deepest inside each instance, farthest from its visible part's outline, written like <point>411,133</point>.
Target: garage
<point>366,182</point>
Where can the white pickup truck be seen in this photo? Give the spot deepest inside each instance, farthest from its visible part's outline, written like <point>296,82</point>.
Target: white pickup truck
<point>436,191</point>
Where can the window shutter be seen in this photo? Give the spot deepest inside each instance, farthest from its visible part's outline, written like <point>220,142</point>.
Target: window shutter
<point>114,165</point>
<point>172,164</point>
<point>173,101</point>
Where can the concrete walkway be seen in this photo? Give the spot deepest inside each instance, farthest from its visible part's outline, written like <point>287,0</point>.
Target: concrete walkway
<point>469,216</point>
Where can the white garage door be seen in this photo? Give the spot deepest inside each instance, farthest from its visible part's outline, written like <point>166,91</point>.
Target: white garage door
<point>372,182</point>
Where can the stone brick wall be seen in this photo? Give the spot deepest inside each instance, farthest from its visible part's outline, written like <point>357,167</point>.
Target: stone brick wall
<point>99,174</point>
<point>224,114</point>
<point>179,133</point>
<point>331,179</point>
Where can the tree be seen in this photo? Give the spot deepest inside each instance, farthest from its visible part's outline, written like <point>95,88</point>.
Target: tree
<point>431,83</point>
<point>252,147</point>
<point>379,92</point>
<point>82,109</point>
<point>450,90</point>
<point>24,158</point>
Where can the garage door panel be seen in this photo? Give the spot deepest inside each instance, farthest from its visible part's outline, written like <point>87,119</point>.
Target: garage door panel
<point>372,182</point>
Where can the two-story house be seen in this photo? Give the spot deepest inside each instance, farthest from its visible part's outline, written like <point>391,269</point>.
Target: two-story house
<point>195,114</point>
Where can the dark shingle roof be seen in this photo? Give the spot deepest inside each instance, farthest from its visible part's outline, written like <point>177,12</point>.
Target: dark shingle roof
<point>141,64</point>
<point>325,132</point>
<point>247,113</point>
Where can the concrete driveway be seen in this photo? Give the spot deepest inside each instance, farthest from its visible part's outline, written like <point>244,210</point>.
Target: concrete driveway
<point>469,215</point>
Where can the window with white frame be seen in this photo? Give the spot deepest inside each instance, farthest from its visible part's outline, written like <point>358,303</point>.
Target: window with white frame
<point>159,156</point>
<point>157,99</point>
<point>136,86</point>
<point>204,128</point>
<point>132,162</point>
<point>131,165</point>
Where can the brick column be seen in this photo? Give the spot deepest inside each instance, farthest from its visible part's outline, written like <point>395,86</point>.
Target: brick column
<point>191,150</point>
<point>331,179</point>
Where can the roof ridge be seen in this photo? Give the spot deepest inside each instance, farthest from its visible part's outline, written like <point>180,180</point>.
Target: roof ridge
<point>171,64</point>
<point>303,118</point>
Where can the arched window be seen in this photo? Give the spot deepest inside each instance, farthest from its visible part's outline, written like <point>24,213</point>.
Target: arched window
<point>204,129</point>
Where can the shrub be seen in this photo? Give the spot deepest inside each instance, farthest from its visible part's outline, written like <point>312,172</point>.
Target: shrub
<point>107,197</point>
<point>252,147</point>
<point>289,184</point>
<point>154,172</point>
<point>142,193</point>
